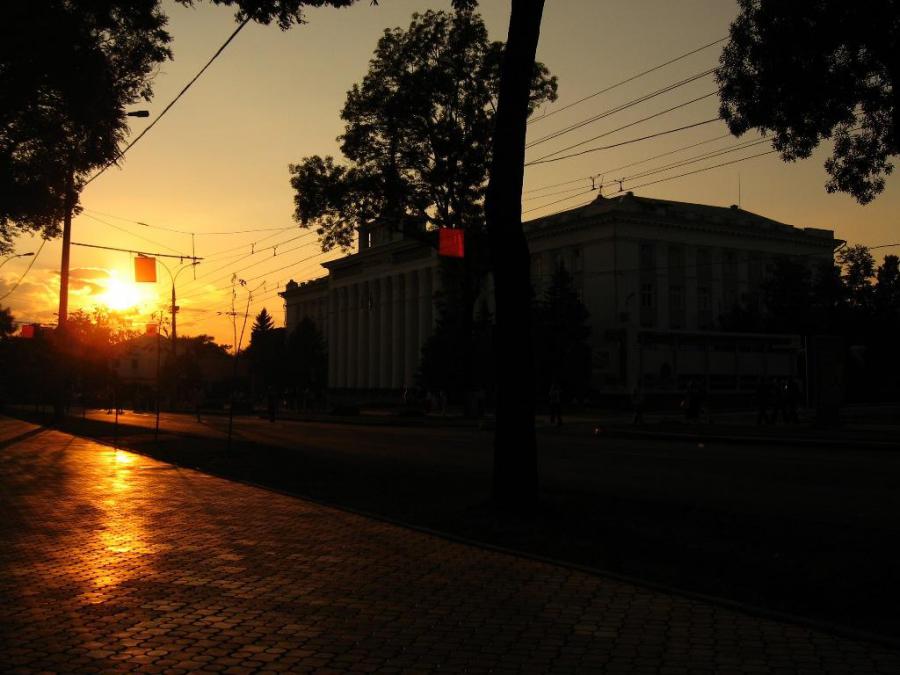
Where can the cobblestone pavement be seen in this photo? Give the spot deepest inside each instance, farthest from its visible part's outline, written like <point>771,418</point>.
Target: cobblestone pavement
<point>110,561</point>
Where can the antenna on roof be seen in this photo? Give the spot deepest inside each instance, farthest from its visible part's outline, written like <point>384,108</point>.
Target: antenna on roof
<point>620,181</point>
<point>739,190</point>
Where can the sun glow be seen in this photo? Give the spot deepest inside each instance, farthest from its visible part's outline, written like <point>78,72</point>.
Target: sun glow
<point>120,295</point>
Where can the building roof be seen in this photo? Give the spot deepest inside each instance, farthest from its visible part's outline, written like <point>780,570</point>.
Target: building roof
<point>630,205</point>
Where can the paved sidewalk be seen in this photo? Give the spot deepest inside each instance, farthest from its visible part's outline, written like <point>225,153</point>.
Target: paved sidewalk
<point>110,561</point>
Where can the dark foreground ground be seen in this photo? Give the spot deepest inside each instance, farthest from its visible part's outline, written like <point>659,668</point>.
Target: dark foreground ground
<point>809,531</point>
<point>115,562</point>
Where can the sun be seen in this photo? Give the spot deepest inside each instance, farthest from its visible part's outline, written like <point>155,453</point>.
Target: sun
<point>120,295</point>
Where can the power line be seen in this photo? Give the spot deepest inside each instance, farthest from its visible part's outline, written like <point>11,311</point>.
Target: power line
<point>259,262</point>
<point>296,248</point>
<point>140,253</point>
<point>558,201</point>
<point>626,126</point>
<point>661,180</point>
<point>665,154</point>
<point>186,232</point>
<point>171,103</point>
<point>691,160</point>
<point>708,168</point>
<point>535,120</point>
<point>620,108</point>
<point>251,244</point>
<point>547,159</point>
<point>131,234</point>
<point>25,273</point>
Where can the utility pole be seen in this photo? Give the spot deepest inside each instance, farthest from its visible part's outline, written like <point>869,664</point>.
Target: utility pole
<point>68,205</point>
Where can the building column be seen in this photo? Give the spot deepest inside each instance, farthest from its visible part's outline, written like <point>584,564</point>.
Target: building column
<point>341,338</point>
<point>411,324</point>
<point>374,312</point>
<point>362,337</point>
<point>385,325</point>
<point>352,335</point>
<point>331,338</point>
<point>426,305</point>
<point>437,288</point>
<point>397,334</point>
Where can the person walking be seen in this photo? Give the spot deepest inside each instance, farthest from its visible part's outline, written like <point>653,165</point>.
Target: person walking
<point>637,404</point>
<point>555,399</point>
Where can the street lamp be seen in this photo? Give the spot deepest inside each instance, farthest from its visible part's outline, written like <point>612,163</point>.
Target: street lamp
<point>17,255</point>
<point>69,199</point>
<point>139,276</point>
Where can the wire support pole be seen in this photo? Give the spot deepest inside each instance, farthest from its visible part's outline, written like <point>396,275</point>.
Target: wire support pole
<point>146,254</point>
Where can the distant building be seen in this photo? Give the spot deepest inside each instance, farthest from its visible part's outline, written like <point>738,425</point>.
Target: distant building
<point>655,276</point>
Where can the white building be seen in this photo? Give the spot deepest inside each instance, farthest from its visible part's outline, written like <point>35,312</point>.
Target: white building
<point>655,276</point>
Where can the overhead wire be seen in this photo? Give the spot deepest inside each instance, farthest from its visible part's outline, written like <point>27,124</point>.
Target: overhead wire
<point>625,166</point>
<point>25,273</point>
<point>185,232</point>
<point>132,234</point>
<point>535,120</point>
<point>171,103</point>
<point>543,159</point>
<point>619,108</point>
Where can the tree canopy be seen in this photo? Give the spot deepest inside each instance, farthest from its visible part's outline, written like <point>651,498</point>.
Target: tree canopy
<point>68,71</point>
<point>62,104</point>
<point>418,132</point>
<point>812,70</point>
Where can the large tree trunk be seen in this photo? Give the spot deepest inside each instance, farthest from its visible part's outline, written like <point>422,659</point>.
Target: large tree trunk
<point>515,450</point>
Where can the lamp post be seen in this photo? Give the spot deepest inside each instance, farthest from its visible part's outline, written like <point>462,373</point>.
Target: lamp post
<point>17,255</point>
<point>174,307</point>
<point>69,200</point>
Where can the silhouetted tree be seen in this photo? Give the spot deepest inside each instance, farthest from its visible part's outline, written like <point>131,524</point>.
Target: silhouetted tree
<point>266,352</point>
<point>67,72</point>
<point>858,267</point>
<point>561,332</point>
<point>418,139</point>
<point>262,324</point>
<point>515,481</point>
<point>887,288</point>
<point>307,360</point>
<point>7,324</point>
<point>418,132</point>
<point>812,70</point>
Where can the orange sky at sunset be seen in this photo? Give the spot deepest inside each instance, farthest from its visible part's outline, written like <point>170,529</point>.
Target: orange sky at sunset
<point>216,165</point>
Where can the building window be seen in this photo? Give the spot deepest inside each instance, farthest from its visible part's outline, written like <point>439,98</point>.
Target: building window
<point>647,296</point>
<point>676,306</point>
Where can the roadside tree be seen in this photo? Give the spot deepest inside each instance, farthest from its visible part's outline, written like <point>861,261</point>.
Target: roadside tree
<point>812,71</point>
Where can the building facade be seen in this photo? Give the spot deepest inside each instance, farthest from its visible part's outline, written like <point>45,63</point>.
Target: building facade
<point>655,276</point>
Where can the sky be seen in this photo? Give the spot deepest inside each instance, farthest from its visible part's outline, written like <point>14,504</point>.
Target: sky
<point>218,161</point>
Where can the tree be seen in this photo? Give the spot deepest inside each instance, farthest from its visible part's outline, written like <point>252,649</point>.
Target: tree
<point>307,360</point>
<point>812,70</point>
<point>266,351</point>
<point>858,267</point>
<point>515,480</point>
<point>7,325</point>
<point>263,324</point>
<point>418,132</point>
<point>561,332</point>
<point>887,287</point>
<point>62,105</point>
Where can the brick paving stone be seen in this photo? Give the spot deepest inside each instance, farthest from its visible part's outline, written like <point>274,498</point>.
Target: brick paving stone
<point>110,561</point>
